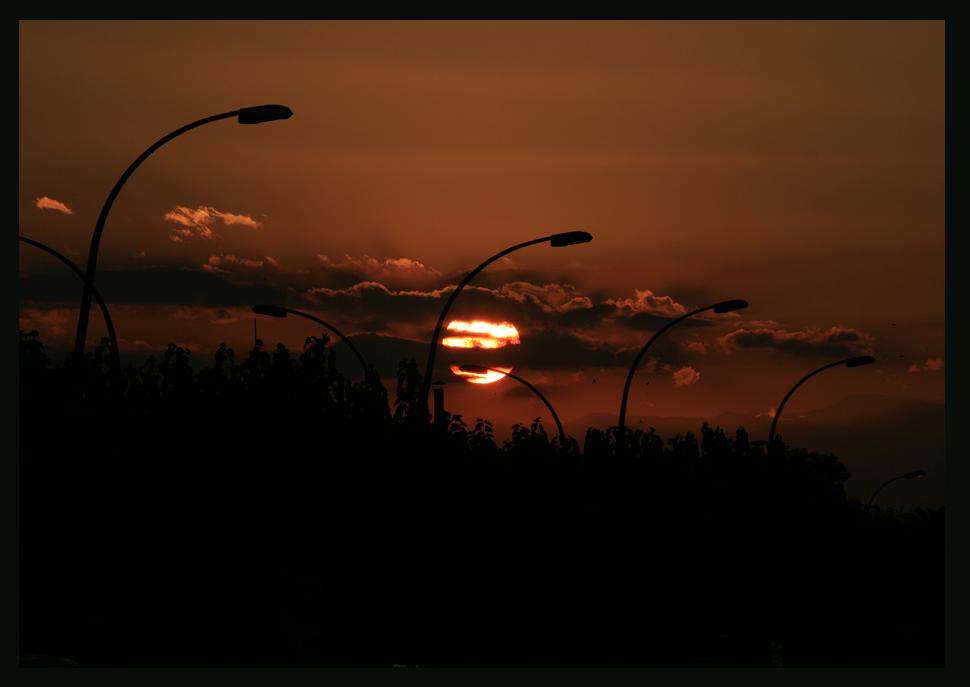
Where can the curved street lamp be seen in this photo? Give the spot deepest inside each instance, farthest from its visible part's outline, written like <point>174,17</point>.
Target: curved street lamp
<point>246,115</point>
<point>567,238</point>
<point>481,369</point>
<point>722,307</point>
<point>109,325</point>
<point>915,474</point>
<point>848,362</point>
<point>276,311</point>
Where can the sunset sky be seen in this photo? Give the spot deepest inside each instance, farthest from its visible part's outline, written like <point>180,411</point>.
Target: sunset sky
<point>798,165</point>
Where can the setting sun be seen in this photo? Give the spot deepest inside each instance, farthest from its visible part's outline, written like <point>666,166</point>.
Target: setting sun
<point>480,334</point>
<point>477,378</point>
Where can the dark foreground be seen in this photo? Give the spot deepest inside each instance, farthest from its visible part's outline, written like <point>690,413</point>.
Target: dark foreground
<point>272,513</point>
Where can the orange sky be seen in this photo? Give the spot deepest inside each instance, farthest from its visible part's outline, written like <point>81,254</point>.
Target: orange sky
<point>798,165</point>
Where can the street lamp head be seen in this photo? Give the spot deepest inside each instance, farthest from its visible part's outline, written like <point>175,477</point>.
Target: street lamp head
<point>264,113</point>
<point>860,360</point>
<point>270,310</point>
<point>570,238</point>
<point>475,369</point>
<point>730,306</point>
<point>915,474</point>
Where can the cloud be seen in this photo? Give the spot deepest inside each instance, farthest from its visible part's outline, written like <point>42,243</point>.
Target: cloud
<point>834,341</point>
<point>409,313</point>
<point>53,323</point>
<point>557,326</point>
<point>527,303</point>
<point>649,302</point>
<point>413,311</point>
<point>364,287</point>
<point>549,297</point>
<point>405,264</point>
<point>394,271</point>
<point>220,261</point>
<point>585,318</point>
<point>931,365</point>
<point>179,235</point>
<point>560,328</point>
<point>647,311</point>
<point>545,342</point>
<point>686,376</point>
<point>229,218</point>
<point>198,222</point>
<point>45,203</point>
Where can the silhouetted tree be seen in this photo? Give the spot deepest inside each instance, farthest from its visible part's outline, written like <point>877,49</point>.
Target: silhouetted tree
<point>276,512</point>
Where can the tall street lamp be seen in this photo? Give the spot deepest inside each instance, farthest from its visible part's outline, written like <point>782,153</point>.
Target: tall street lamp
<point>246,115</point>
<point>722,307</point>
<point>108,323</point>
<point>915,474</point>
<point>568,238</point>
<point>848,362</point>
<point>276,311</point>
<point>481,369</point>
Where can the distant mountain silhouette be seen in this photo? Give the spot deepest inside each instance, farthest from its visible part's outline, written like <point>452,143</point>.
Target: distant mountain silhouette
<point>383,352</point>
<point>869,408</point>
<point>879,437</point>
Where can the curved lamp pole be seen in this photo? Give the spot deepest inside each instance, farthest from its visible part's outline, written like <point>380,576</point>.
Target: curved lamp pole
<point>722,307</point>
<point>848,362</point>
<point>481,369</point>
<point>115,360</point>
<point>915,474</point>
<point>568,238</point>
<point>246,115</point>
<point>276,311</point>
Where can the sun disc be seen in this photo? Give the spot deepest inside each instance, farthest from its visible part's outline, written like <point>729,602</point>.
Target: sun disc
<point>480,334</point>
<point>476,378</point>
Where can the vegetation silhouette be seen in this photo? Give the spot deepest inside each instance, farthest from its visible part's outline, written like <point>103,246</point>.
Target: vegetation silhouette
<point>481,369</point>
<point>105,313</point>
<point>263,510</point>
<point>246,115</point>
